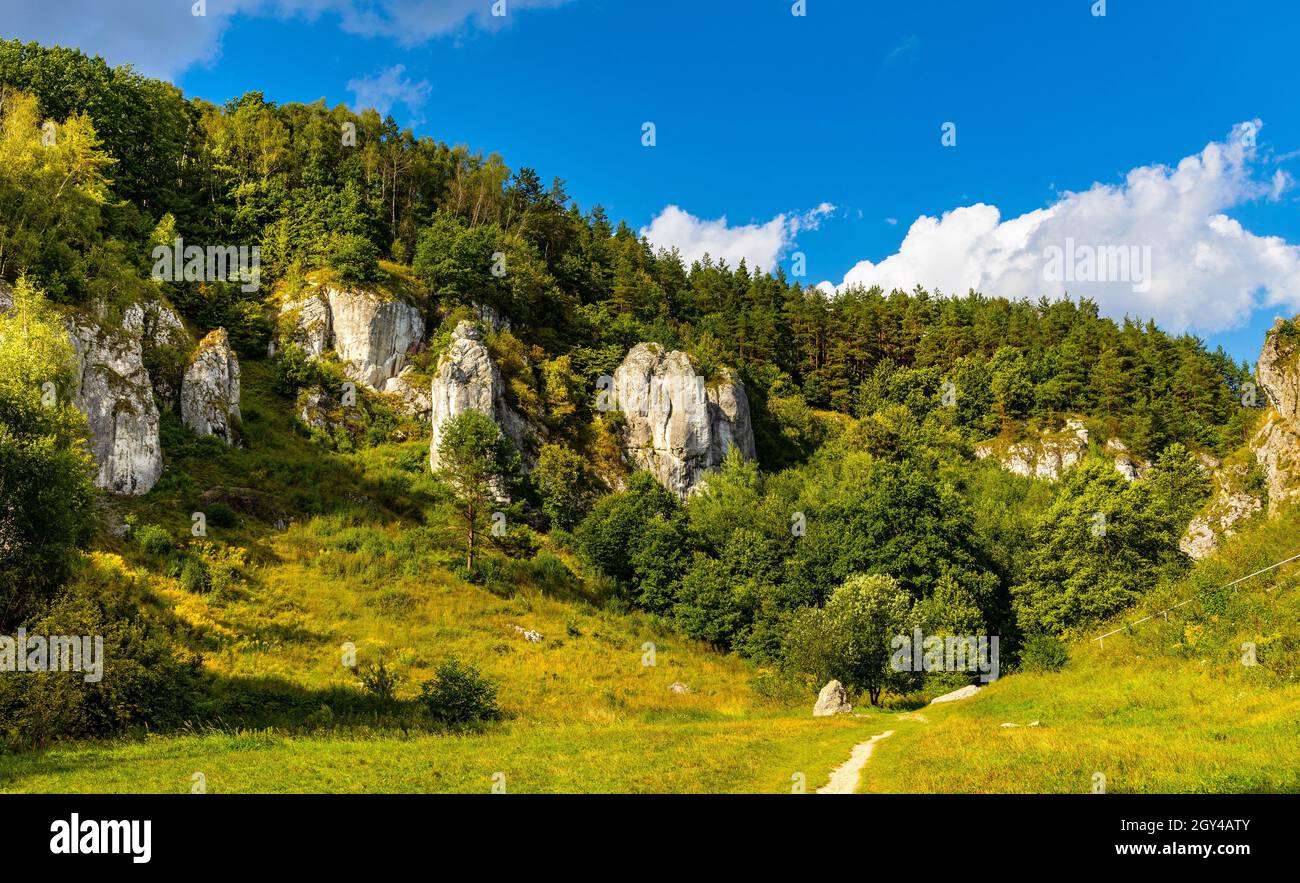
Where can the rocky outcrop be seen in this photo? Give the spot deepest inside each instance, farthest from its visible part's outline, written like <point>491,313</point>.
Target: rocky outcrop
<point>310,323</point>
<point>957,695</point>
<point>412,396</point>
<point>370,333</point>
<point>490,318</point>
<point>468,380</point>
<point>1277,448</point>
<point>6,297</point>
<point>677,427</point>
<point>1277,442</point>
<point>113,390</point>
<point>1278,370</point>
<point>730,423</point>
<point>210,389</point>
<point>1229,503</point>
<point>1052,453</point>
<point>1126,463</point>
<point>162,327</point>
<point>833,699</point>
<point>1047,458</point>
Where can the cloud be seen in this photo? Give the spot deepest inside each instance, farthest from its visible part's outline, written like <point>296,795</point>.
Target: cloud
<point>414,22</point>
<point>1189,266</point>
<point>759,245</point>
<point>158,37</point>
<point>164,38</point>
<point>389,87</point>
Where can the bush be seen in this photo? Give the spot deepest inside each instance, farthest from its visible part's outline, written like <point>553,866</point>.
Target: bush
<point>154,539</point>
<point>379,682</point>
<point>195,576</point>
<point>354,257</point>
<point>147,681</point>
<point>221,515</point>
<point>46,493</point>
<point>1043,653</point>
<point>458,694</point>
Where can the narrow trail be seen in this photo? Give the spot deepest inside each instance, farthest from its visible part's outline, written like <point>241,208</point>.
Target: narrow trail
<point>844,778</point>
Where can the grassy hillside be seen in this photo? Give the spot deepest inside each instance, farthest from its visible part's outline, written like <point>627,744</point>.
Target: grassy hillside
<point>583,712</point>
<point>1166,706</point>
<point>1147,724</point>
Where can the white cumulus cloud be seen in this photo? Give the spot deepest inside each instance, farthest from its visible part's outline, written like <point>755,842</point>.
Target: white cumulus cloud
<point>1191,267</point>
<point>759,245</point>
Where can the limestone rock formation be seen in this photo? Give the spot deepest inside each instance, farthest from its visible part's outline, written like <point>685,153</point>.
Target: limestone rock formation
<point>370,333</point>
<point>1277,443</point>
<point>166,346</point>
<point>210,390</point>
<point>1047,458</point>
<point>311,323</point>
<point>679,428</point>
<point>1126,463</point>
<point>412,397</point>
<point>833,699</point>
<point>1277,448</point>
<point>468,380</point>
<point>730,422</point>
<point>1229,503</point>
<point>113,390</point>
<point>1278,370</point>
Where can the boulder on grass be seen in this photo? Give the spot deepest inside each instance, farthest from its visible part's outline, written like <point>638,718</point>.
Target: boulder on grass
<point>832,700</point>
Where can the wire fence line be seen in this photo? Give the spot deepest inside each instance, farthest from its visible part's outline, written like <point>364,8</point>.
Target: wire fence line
<point>1100,639</point>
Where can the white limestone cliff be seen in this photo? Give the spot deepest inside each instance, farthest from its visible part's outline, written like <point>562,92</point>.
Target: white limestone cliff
<point>679,428</point>
<point>210,389</point>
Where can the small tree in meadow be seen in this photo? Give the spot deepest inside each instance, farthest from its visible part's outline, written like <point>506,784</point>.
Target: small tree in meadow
<point>475,458</point>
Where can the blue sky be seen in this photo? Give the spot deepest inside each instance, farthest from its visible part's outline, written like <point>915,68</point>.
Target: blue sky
<point>767,119</point>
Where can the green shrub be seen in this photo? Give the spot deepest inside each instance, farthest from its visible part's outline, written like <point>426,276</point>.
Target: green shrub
<point>379,682</point>
<point>154,539</point>
<point>194,575</point>
<point>147,681</point>
<point>458,694</point>
<point>1043,653</point>
<point>221,515</point>
<point>354,257</point>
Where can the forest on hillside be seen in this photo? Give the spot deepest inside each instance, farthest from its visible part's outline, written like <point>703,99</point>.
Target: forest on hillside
<point>855,440</point>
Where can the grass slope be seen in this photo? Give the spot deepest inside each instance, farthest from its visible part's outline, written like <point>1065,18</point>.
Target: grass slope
<point>363,557</point>
<point>1165,706</point>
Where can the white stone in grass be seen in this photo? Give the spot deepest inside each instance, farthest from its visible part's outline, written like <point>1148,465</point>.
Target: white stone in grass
<point>964,693</point>
<point>832,699</point>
